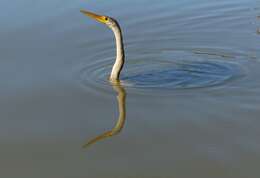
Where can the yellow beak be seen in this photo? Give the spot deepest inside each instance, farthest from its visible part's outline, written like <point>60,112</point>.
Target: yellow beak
<point>92,15</point>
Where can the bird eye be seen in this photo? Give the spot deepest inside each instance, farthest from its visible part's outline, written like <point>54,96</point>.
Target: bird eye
<point>106,18</point>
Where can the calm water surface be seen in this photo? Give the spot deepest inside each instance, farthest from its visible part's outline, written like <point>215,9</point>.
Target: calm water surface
<point>187,106</point>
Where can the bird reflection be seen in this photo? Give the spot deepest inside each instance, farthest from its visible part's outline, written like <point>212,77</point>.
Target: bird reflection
<point>121,98</point>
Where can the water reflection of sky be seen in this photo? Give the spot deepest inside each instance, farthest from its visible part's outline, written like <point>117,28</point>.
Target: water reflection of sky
<point>28,12</point>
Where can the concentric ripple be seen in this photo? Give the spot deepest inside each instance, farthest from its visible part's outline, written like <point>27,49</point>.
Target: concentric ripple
<point>173,50</point>
<point>162,71</point>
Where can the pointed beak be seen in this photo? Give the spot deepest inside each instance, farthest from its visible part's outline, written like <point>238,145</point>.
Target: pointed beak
<point>99,18</point>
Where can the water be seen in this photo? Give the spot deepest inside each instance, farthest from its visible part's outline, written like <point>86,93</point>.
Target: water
<point>187,106</point>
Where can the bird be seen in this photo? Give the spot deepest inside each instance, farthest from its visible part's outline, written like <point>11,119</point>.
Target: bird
<point>114,75</point>
<point>120,53</point>
<point>179,75</point>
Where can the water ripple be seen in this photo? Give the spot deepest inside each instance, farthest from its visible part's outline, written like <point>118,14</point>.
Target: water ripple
<point>169,70</point>
<point>173,50</point>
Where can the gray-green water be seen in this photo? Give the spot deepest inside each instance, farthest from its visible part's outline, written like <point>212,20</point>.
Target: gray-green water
<point>191,81</point>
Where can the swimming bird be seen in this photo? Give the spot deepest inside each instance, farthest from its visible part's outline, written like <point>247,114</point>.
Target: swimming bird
<point>187,74</point>
<point>120,54</point>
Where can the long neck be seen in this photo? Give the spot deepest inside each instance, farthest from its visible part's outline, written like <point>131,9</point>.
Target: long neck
<point>120,54</point>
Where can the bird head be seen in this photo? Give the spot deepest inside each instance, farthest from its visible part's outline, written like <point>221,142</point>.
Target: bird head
<point>109,21</point>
